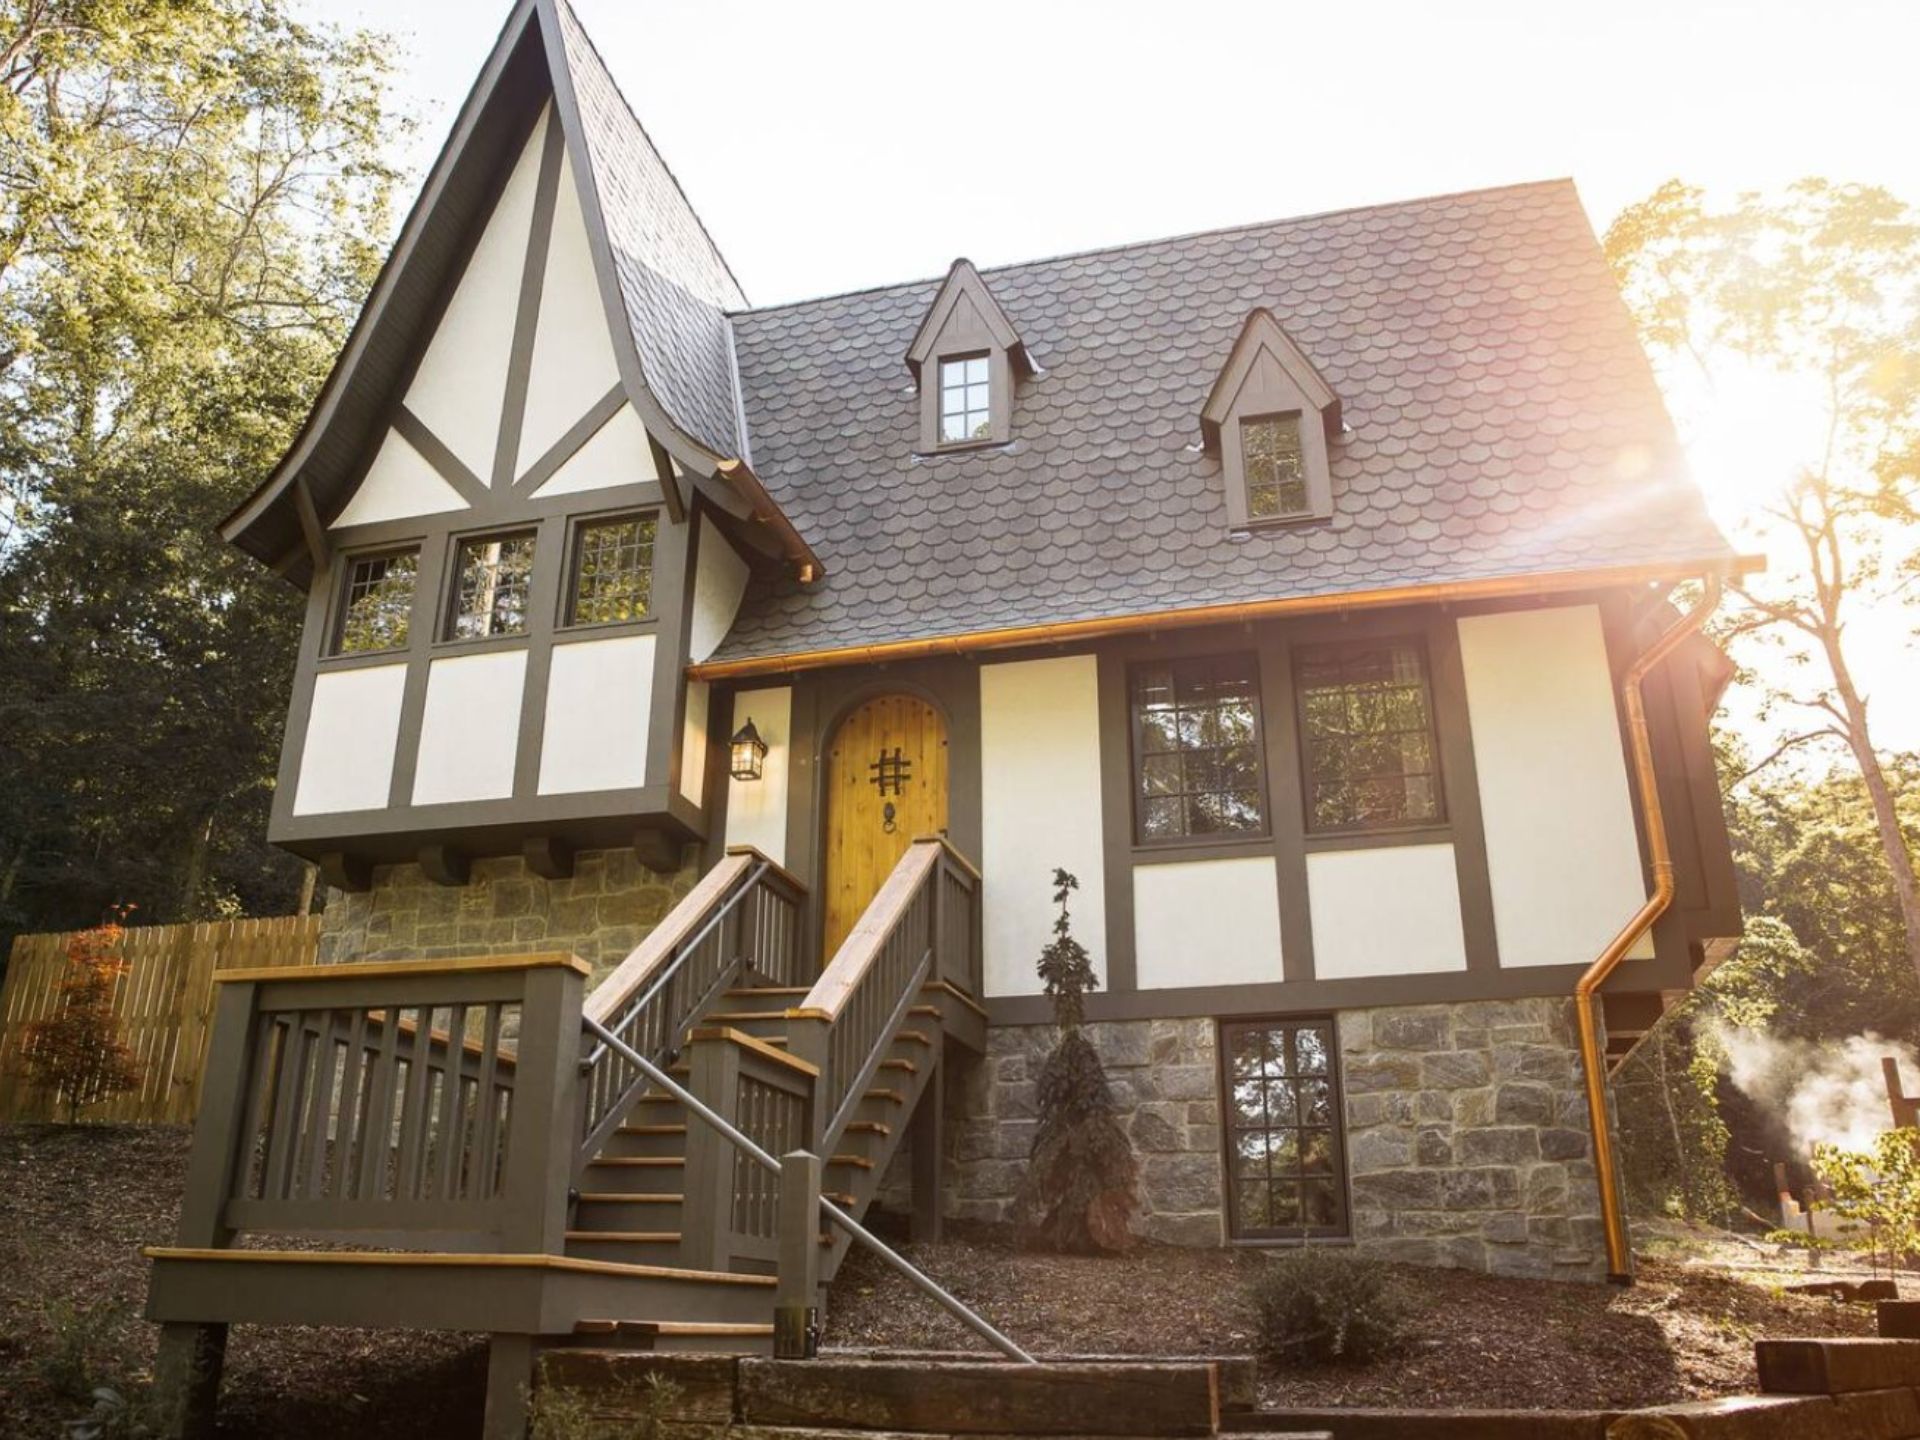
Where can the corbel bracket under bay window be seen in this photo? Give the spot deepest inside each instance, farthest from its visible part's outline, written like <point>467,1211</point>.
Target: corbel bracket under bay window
<point>1270,417</point>
<point>966,358</point>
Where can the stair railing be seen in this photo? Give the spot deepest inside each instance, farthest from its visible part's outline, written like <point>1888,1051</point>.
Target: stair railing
<point>742,920</point>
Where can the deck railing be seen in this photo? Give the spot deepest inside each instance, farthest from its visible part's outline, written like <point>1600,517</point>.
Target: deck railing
<point>731,1206</point>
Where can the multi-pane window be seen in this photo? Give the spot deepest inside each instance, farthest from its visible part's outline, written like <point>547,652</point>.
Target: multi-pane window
<point>612,571</point>
<point>490,594</point>
<point>965,396</point>
<point>1366,732</point>
<point>1196,730</point>
<point>1275,467</point>
<point>378,605</point>
<point>1283,1128</point>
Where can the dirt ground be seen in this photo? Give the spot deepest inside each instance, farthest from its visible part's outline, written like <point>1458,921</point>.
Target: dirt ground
<point>77,1205</point>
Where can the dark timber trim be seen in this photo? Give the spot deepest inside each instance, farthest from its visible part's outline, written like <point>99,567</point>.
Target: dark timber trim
<point>533,279</point>
<point>434,451</point>
<point>570,444</point>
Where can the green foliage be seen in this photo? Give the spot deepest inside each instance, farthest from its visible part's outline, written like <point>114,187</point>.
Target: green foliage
<point>1317,1306</point>
<point>637,1410</point>
<point>1081,1184</point>
<point>1879,1191</point>
<point>78,1350</point>
<point>194,201</point>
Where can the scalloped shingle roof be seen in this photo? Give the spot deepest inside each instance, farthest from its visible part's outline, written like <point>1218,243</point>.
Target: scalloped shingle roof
<point>1502,420</point>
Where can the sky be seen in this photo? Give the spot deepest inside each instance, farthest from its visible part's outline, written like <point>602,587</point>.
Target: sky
<point>832,146</point>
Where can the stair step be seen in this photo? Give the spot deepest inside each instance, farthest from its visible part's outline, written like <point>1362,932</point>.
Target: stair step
<point>665,1327</point>
<point>858,1161</point>
<point>839,1197</point>
<point>631,1129</point>
<point>930,1011</point>
<point>732,1017</point>
<point>906,1065</point>
<point>871,1127</point>
<point>628,1237</point>
<point>765,990</point>
<point>915,1037</point>
<point>639,1162</point>
<point>607,1197</point>
<point>891,1097</point>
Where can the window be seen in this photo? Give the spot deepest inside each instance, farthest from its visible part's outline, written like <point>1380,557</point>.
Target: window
<point>612,571</point>
<point>490,594</point>
<point>965,395</point>
<point>1366,728</point>
<point>1284,1157</point>
<point>1275,466</point>
<point>1196,749</point>
<point>378,605</point>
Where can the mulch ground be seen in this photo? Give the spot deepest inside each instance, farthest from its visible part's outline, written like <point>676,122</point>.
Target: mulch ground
<point>77,1205</point>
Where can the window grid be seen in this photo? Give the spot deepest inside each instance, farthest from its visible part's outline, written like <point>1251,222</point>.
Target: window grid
<point>965,400</point>
<point>1275,467</point>
<point>494,574</point>
<point>1284,1156</point>
<point>613,571</point>
<point>1367,737</point>
<point>378,607</point>
<point>1197,760</point>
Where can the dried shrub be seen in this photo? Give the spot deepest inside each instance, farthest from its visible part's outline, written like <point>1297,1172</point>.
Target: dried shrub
<point>75,1055</point>
<point>1325,1307</point>
<point>1081,1184</point>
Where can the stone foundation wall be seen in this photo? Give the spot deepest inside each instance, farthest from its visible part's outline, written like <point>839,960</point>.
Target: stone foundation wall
<point>600,913</point>
<point>1466,1132</point>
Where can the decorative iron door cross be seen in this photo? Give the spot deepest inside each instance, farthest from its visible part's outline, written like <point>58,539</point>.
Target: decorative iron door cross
<point>891,772</point>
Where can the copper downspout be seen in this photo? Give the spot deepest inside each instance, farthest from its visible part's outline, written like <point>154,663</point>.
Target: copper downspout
<point>1587,991</point>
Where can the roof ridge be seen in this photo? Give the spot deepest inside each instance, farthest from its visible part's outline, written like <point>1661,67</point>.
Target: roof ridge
<point>613,80</point>
<point>1243,227</point>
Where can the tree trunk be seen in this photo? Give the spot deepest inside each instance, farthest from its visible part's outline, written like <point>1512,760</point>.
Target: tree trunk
<point>309,875</point>
<point>1906,888</point>
<point>196,875</point>
<point>1681,1172</point>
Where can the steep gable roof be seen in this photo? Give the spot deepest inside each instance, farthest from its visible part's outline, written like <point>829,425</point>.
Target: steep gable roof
<point>963,286</point>
<point>1264,334</point>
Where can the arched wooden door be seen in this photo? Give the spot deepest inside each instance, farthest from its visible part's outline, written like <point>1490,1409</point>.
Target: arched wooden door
<point>886,783</point>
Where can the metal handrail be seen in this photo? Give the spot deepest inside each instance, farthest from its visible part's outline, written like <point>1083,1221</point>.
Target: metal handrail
<point>924,1282</point>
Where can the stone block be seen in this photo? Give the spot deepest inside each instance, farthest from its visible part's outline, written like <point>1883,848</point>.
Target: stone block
<point>1836,1367</point>
<point>1473,1107</point>
<point>1381,1148</point>
<point>1546,1064</point>
<point>1391,1108</point>
<point>1186,1082</point>
<point>1180,1183</point>
<point>1426,1028</point>
<point>1455,1070</point>
<point>1379,1073</point>
<point>1505,1227</point>
<point>1523,1104</point>
<point>1433,1147</point>
<point>1200,1228</point>
<point>1403,1190</point>
<point>1121,1044</point>
<point>1547,1189</point>
<point>1560,1144</point>
<point>1353,1031</point>
<point>1505,1145</point>
<point>1157,1127</point>
<point>1433,1106</point>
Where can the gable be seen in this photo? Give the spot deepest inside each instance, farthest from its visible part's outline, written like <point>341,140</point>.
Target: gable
<point>400,485</point>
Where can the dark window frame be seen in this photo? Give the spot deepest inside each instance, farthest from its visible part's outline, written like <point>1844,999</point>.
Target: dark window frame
<point>335,648</point>
<point>1335,1177</point>
<point>577,528</point>
<point>450,613</point>
<point>1306,509</point>
<point>941,363</point>
<point>1261,835</point>
<point>1313,831</point>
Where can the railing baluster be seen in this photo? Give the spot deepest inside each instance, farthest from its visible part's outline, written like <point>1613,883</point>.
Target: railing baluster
<point>376,1136</point>
<point>319,1113</point>
<point>284,1139</point>
<point>453,1097</point>
<point>413,1112</point>
<point>486,1110</point>
<point>346,1144</point>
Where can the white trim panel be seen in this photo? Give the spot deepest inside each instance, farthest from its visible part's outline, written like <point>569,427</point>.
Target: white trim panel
<point>399,485</point>
<point>719,584</point>
<point>1207,922</point>
<point>757,809</point>
<point>470,729</point>
<point>693,743</point>
<point>1394,910</point>
<point>615,454</point>
<point>599,700</point>
<point>353,727</point>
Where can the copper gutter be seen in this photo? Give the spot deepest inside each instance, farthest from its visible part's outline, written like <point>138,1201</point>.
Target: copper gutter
<point>765,510</point>
<point>1057,632</point>
<point>1587,991</point>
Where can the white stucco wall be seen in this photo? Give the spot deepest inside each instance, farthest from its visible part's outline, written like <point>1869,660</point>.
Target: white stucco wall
<point>693,742</point>
<point>719,583</point>
<point>1394,910</point>
<point>458,390</point>
<point>1562,853</point>
<point>616,454</point>
<point>1207,922</point>
<point>400,484</point>
<point>1040,811</point>
<point>352,729</point>
<point>599,699</point>
<point>470,730</point>
<point>757,809</point>
<point>573,362</point>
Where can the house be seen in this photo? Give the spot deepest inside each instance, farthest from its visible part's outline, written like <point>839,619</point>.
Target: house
<point>1291,585</point>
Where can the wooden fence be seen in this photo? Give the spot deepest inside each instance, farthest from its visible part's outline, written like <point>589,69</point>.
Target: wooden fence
<point>164,1002</point>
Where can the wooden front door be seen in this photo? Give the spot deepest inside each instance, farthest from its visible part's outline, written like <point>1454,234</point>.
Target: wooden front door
<point>886,783</point>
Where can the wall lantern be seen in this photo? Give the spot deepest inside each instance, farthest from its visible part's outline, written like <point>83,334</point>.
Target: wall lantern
<point>749,752</point>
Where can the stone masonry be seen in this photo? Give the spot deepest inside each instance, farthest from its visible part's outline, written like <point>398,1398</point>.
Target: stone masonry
<point>1467,1138</point>
<point>1166,1087</point>
<point>600,913</point>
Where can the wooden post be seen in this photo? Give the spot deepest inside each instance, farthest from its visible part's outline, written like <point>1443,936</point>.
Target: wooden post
<point>186,1379</point>
<point>927,1134</point>
<point>807,1040</point>
<point>796,1316</point>
<point>706,1206</point>
<point>219,1149</point>
<point>509,1387</point>
<point>545,1113</point>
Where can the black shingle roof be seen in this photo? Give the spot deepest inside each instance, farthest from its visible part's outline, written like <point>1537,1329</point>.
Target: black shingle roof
<point>1502,420</point>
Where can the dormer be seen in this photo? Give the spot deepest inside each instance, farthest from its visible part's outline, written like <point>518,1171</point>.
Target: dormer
<point>1269,418</point>
<point>966,358</point>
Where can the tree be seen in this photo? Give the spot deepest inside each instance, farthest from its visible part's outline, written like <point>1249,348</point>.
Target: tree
<point>1823,283</point>
<point>1879,1192</point>
<point>194,198</point>
<point>1079,1191</point>
<point>75,1055</point>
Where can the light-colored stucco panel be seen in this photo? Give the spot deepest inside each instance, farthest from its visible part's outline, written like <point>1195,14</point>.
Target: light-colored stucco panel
<point>1040,811</point>
<point>352,729</point>
<point>458,390</point>
<point>1562,853</point>
<point>1388,911</point>
<point>599,699</point>
<point>757,809</point>
<point>1207,922</point>
<point>399,485</point>
<point>693,743</point>
<point>719,583</point>
<point>616,454</point>
<point>470,730</point>
<point>573,361</point>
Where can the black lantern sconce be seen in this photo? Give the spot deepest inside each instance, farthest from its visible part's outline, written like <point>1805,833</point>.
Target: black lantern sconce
<point>749,752</point>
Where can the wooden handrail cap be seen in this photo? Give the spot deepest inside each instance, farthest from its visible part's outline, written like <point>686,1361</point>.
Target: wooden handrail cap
<point>379,969</point>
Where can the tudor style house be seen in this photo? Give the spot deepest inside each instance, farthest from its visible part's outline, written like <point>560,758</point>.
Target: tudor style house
<point>1303,588</point>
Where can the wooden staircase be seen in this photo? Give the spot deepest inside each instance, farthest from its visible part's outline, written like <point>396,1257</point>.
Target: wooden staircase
<point>481,1148</point>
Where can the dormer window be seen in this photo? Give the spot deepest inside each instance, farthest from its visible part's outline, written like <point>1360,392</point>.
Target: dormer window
<point>967,359</point>
<point>1270,418</point>
<point>965,400</point>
